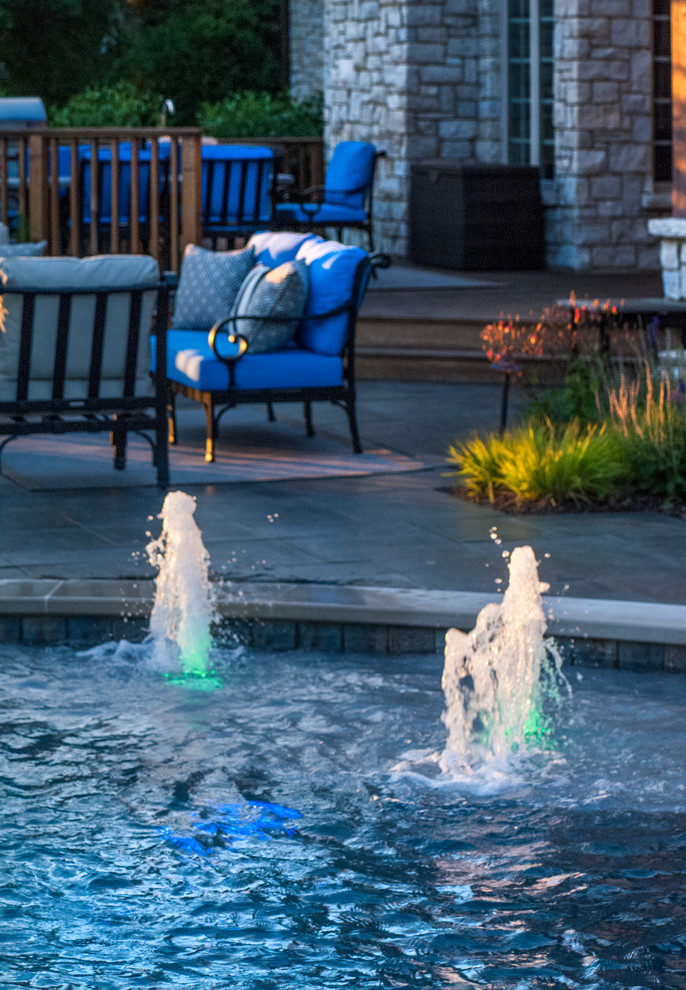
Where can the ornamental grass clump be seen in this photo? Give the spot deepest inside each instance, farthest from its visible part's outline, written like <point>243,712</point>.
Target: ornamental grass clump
<point>650,422</point>
<point>541,466</point>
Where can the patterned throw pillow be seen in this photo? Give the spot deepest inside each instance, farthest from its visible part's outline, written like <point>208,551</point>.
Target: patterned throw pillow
<point>271,292</point>
<point>23,250</point>
<point>208,285</point>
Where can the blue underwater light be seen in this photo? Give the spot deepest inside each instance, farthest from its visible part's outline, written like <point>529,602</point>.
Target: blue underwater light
<point>231,822</point>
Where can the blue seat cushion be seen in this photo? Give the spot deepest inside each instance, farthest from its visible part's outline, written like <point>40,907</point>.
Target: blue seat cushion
<point>332,268</point>
<point>192,362</point>
<point>273,249</point>
<point>326,213</point>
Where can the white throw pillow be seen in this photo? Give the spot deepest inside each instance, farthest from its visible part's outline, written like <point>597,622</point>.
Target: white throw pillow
<point>271,292</point>
<point>208,285</point>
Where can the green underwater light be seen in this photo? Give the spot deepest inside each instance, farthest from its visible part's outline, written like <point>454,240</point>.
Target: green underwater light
<point>196,680</point>
<point>539,730</point>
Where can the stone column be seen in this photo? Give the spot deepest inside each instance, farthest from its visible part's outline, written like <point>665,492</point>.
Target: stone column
<point>603,150</point>
<point>411,77</point>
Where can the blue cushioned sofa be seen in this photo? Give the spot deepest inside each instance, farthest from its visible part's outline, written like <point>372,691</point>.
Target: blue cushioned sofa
<point>217,371</point>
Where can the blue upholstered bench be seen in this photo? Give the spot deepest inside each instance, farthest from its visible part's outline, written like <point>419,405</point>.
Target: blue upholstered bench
<point>219,370</point>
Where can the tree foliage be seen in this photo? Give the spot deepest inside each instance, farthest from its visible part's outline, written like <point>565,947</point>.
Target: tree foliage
<point>200,51</point>
<point>190,51</point>
<point>53,48</point>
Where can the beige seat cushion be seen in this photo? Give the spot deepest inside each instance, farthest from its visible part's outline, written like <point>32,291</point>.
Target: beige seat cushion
<point>63,274</point>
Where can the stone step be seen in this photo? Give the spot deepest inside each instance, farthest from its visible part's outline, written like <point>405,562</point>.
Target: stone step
<point>420,334</point>
<point>430,350</point>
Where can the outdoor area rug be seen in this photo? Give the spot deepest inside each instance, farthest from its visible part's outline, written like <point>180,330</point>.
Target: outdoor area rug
<point>254,452</point>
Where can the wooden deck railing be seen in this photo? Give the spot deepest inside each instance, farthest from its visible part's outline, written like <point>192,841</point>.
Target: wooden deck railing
<point>55,182</point>
<point>301,157</point>
<point>52,179</point>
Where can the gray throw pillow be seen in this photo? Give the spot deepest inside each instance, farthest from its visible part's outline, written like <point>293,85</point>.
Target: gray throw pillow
<point>271,292</point>
<point>208,285</point>
<point>27,250</point>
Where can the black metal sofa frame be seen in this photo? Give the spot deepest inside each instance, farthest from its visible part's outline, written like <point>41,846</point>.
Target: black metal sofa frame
<point>129,412</point>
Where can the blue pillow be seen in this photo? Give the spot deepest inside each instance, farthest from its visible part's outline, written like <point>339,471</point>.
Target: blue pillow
<point>23,250</point>
<point>271,292</point>
<point>208,285</point>
<point>332,268</point>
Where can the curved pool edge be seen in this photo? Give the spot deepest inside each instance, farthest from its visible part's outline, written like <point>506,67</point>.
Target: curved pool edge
<point>599,632</point>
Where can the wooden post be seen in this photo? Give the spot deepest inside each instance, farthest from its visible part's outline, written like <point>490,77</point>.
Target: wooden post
<point>114,194</point>
<point>135,209</point>
<point>94,198</point>
<point>678,31</point>
<point>38,188</point>
<point>191,208</point>
<point>153,206</point>
<point>174,255</point>
<point>54,197</point>
<point>74,197</point>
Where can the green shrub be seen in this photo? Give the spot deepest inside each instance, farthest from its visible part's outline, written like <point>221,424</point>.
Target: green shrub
<point>122,105</point>
<point>540,464</point>
<point>252,114</point>
<point>580,397</point>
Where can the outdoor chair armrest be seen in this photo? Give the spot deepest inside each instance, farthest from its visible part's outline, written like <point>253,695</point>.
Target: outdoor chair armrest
<point>320,192</point>
<point>379,260</point>
<point>231,336</point>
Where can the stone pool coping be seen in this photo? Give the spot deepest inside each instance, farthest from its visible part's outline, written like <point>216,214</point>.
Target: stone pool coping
<point>598,632</point>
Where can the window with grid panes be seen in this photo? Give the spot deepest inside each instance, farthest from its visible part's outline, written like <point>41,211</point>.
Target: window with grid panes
<point>530,84</point>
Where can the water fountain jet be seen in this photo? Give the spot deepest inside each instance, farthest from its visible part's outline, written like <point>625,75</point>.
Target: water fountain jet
<point>491,677</point>
<point>184,598</point>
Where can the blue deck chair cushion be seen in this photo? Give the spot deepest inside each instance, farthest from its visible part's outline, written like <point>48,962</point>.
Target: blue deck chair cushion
<point>268,294</point>
<point>208,285</point>
<point>332,268</point>
<point>349,174</point>
<point>124,191</point>
<point>235,184</point>
<point>191,361</point>
<point>324,214</point>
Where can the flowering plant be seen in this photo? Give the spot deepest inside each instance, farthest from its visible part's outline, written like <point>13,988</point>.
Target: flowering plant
<point>561,333</point>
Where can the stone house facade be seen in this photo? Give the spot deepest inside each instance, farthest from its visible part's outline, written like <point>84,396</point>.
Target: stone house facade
<point>578,87</point>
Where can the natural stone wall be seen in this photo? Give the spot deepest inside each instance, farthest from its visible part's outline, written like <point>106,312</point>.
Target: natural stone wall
<point>306,40</point>
<point>422,79</point>
<point>418,78</point>
<point>603,66</point>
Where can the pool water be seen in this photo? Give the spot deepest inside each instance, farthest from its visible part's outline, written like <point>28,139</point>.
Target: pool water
<point>292,829</point>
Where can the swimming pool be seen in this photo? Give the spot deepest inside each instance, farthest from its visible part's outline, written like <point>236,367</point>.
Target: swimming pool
<point>292,829</point>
